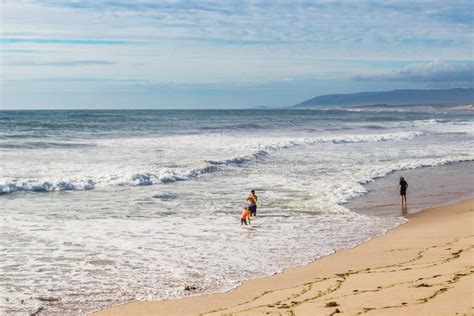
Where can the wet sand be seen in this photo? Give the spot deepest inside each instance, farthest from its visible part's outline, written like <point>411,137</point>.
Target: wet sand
<point>427,187</point>
<point>424,267</point>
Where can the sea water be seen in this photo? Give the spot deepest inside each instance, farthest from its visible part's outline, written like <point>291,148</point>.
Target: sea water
<point>99,208</point>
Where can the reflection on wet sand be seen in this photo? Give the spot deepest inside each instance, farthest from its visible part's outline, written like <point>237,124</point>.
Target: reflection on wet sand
<point>404,210</point>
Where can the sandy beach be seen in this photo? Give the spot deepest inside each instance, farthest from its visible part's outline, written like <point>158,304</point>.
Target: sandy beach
<point>423,267</point>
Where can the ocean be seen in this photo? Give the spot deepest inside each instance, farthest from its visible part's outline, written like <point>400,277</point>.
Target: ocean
<point>99,208</point>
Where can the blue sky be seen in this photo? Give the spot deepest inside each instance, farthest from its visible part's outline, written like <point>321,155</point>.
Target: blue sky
<point>226,54</point>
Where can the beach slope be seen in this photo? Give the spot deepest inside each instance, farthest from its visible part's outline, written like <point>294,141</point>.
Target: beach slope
<point>424,267</point>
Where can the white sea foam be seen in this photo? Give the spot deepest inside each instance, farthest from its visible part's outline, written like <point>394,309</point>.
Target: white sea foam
<point>45,186</point>
<point>167,175</point>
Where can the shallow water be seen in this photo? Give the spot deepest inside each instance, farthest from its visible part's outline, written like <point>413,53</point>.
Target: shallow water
<point>104,207</point>
<point>428,187</point>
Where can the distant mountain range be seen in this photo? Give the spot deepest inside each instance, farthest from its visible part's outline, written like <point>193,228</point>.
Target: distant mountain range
<point>394,97</point>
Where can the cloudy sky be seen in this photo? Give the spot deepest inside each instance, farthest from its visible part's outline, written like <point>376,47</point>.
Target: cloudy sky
<point>226,54</point>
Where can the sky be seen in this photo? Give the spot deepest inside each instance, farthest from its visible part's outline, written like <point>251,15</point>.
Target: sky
<point>142,54</point>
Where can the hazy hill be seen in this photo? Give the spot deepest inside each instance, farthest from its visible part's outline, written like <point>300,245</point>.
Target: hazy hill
<point>394,97</point>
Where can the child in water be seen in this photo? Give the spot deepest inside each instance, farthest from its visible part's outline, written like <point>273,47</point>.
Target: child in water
<point>244,216</point>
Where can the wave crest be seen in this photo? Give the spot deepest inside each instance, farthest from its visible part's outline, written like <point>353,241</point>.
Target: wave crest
<point>46,186</point>
<point>170,175</point>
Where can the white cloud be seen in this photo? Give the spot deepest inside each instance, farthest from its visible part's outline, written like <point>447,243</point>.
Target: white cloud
<point>426,72</point>
<point>322,22</point>
<point>233,42</point>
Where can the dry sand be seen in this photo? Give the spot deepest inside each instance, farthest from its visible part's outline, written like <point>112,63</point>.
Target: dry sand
<point>424,267</point>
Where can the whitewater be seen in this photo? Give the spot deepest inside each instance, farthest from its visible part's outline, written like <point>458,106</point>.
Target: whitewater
<point>100,208</point>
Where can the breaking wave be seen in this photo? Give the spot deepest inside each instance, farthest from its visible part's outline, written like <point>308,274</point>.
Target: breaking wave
<point>170,175</point>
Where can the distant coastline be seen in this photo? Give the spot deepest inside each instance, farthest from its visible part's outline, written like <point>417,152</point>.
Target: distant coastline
<point>410,107</point>
<point>406,97</point>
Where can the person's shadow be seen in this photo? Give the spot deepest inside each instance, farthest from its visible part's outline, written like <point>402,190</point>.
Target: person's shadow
<point>404,210</point>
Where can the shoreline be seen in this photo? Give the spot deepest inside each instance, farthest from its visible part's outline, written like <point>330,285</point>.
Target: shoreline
<point>382,196</point>
<point>402,252</point>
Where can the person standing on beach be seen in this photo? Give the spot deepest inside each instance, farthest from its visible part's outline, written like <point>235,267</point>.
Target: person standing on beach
<point>403,191</point>
<point>252,199</point>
